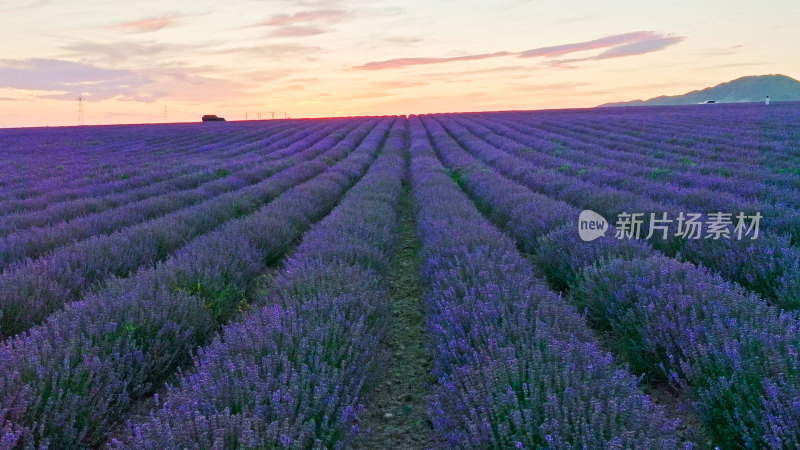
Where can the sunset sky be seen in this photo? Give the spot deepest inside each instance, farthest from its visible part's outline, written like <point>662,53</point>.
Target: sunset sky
<point>130,60</point>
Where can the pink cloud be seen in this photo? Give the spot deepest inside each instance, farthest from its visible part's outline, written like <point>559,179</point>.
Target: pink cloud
<point>149,24</point>
<point>618,45</point>
<point>117,52</point>
<point>649,45</point>
<point>640,48</point>
<point>304,23</point>
<point>67,80</point>
<point>297,31</point>
<point>604,42</point>
<point>322,15</point>
<point>400,84</point>
<point>404,62</point>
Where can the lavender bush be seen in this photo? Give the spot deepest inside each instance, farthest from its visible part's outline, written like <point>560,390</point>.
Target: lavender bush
<point>129,257</point>
<point>736,355</point>
<point>74,376</point>
<point>292,372</point>
<point>33,289</point>
<point>759,265</point>
<point>509,354</point>
<point>185,170</point>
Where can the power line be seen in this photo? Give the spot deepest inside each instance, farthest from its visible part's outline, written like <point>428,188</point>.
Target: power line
<point>80,110</point>
<point>263,115</point>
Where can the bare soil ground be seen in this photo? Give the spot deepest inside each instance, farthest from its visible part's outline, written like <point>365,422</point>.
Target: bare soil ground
<point>396,414</point>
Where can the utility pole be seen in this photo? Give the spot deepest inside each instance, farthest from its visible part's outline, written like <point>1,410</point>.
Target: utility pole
<point>80,110</point>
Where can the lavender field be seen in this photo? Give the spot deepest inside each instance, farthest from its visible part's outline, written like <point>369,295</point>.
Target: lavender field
<point>420,282</point>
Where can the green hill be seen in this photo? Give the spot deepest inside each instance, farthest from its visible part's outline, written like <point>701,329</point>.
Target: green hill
<point>745,89</point>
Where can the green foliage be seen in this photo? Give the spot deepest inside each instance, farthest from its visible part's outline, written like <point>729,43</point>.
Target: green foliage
<point>457,176</point>
<point>660,174</point>
<point>220,301</point>
<point>221,173</point>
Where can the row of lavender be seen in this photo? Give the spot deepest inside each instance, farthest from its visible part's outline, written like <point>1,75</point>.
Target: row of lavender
<point>692,179</point>
<point>675,142</point>
<point>148,177</point>
<point>65,383</point>
<point>767,265</point>
<point>676,184</point>
<point>99,189</point>
<point>726,350</point>
<point>761,139</point>
<point>41,157</point>
<point>516,365</point>
<point>293,372</point>
<point>658,182</point>
<point>770,132</point>
<point>140,205</point>
<point>33,289</point>
<point>44,166</point>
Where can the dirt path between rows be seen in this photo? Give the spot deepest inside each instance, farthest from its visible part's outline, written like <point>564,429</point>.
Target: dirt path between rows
<point>396,414</point>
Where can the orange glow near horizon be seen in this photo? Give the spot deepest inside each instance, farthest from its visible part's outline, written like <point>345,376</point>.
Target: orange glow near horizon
<point>313,58</point>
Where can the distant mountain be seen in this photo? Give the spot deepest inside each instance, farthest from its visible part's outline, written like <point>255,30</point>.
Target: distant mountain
<point>745,89</point>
